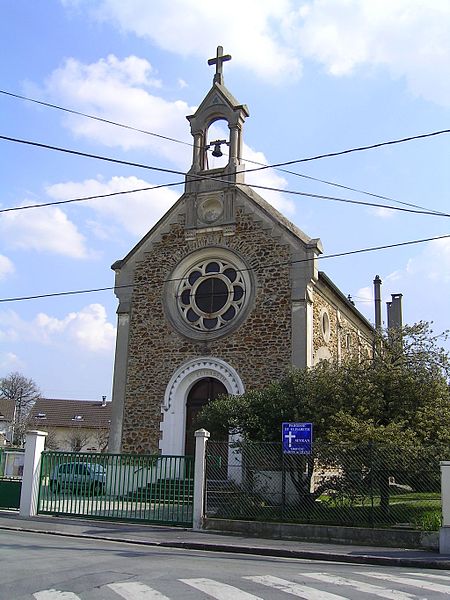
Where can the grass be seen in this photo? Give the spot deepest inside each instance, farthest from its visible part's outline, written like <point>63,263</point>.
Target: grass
<point>412,510</point>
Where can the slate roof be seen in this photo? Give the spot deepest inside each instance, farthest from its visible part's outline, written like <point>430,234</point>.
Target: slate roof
<point>69,413</point>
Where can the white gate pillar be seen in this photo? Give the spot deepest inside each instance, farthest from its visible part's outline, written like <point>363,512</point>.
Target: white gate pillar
<point>201,438</point>
<point>444,533</point>
<point>34,446</point>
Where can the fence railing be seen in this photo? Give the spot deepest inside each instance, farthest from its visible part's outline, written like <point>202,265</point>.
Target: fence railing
<point>11,471</point>
<point>117,486</point>
<point>364,485</point>
<point>11,462</point>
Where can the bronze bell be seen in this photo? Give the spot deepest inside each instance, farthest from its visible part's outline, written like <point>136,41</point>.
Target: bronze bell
<point>217,152</point>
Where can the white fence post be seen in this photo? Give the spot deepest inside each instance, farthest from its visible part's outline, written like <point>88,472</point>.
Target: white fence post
<point>444,533</point>
<point>34,446</point>
<point>201,438</point>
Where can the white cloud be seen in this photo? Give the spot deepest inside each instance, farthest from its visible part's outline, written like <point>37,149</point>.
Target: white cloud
<point>269,178</point>
<point>88,328</point>
<point>136,212</point>
<point>6,266</point>
<point>10,361</point>
<point>381,212</point>
<point>46,229</point>
<point>410,38</point>
<point>115,90</point>
<point>433,263</point>
<point>188,27</point>
<point>424,282</point>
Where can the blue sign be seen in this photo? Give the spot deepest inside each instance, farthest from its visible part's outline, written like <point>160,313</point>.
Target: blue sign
<point>297,438</point>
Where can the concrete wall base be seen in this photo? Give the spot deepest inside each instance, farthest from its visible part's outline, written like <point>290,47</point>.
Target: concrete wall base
<point>392,538</point>
<point>444,540</point>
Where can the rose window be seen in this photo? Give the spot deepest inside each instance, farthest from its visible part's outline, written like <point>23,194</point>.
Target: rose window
<point>211,295</point>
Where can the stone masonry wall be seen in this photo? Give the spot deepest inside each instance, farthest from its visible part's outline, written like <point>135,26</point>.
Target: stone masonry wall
<point>345,338</point>
<point>259,349</point>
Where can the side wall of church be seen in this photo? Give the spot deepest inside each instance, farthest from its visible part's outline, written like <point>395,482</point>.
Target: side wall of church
<point>259,349</point>
<point>348,336</point>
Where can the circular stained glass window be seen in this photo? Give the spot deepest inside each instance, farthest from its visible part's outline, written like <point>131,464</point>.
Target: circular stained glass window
<point>211,294</point>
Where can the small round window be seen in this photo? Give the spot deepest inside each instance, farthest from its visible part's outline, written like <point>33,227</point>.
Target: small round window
<point>211,294</point>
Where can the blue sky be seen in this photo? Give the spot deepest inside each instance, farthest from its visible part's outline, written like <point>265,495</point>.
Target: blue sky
<point>318,76</point>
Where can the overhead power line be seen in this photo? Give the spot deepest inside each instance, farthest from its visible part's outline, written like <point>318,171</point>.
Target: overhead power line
<point>198,177</point>
<point>94,197</point>
<point>278,264</point>
<point>87,116</point>
<point>89,155</point>
<point>262,165</point>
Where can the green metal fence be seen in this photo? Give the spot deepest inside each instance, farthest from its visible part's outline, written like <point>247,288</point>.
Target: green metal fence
<point>152,488</point>
<point>364,485</point>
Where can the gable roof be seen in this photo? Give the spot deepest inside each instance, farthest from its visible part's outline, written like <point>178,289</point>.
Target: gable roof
<point>6,410</point>
<point>268,209</point>
<point>324,279</point>
<point>69,413</point>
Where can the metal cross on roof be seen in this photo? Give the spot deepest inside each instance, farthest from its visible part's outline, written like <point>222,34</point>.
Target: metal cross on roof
<point>218,61</point>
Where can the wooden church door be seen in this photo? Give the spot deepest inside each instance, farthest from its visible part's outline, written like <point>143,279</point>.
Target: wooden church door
<point>201,393</point>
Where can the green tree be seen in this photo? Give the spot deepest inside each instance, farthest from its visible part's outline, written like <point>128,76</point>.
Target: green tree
<point>22,392</point>
<point>398,399</point>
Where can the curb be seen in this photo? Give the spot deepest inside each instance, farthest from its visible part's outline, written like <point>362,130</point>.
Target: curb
<point>361,559</point>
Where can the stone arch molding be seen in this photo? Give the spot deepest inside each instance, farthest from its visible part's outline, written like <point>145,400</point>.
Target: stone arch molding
<point>173,423</point>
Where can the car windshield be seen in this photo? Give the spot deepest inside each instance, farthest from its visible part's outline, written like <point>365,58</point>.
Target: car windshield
<point>97,468</point>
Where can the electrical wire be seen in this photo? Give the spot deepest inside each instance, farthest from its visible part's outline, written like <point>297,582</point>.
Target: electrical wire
<point>203,177</point>
<point>82,114</point>
<point>278,264</point>
<point>95,197</point>
<point>151,133</point>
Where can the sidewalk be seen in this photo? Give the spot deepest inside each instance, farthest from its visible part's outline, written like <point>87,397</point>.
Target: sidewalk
<point>175,537</point>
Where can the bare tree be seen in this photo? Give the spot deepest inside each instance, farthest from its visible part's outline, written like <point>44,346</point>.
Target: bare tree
<point>51,440</point>
<point>101,438</point>
<point>22,392</point>
<point>76,439</point>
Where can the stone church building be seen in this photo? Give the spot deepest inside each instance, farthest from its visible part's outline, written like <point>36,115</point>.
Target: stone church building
<point>222,295</point>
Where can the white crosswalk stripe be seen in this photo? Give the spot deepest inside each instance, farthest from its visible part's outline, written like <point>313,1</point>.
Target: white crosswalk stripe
<point>419,581</point>
<point>432,576</point>
<point>55,595</point>
<point>134,590</point>
<point>367,588</point>
<point>220,591</point>
<point>296,589</point>
<point>422,585</point>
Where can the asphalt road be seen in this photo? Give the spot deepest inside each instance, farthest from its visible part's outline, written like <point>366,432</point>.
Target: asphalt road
<point>35,566</point>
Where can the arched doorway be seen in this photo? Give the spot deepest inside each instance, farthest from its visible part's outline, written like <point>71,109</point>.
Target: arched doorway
<point>202,392</point>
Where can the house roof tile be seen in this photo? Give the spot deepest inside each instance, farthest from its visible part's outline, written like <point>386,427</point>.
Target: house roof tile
<point>69,413</point>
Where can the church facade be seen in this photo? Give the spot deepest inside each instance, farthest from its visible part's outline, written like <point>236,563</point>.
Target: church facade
<point>223,295</point>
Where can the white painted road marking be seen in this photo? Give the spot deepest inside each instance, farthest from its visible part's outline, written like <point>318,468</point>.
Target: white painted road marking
<point>135,590</point>
<point>296,589</point>
<point>220,591</point>
<point>431,576</point>
<point>366,588</point>
<point>55,595</point>
<point>423,585</point>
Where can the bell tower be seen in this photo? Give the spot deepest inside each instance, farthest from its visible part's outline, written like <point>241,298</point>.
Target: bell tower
<point>218,105</point>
